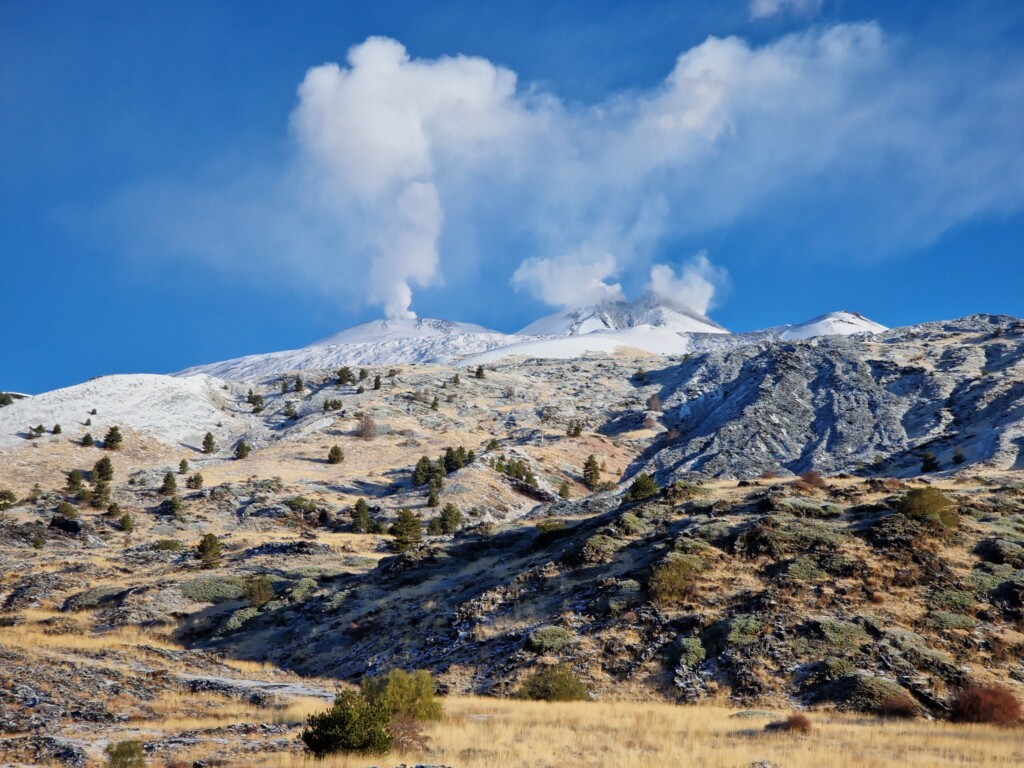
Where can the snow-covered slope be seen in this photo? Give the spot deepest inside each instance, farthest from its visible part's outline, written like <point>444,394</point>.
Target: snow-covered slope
<point>382,342</point>
<point>831,324</point>
<point>391,329</point>
<point>171,410</point>
<point>650,324</point>
<point>613,316</point>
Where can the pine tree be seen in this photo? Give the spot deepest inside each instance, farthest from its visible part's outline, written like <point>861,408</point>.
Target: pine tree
<point>209,444</point>
<point>56,429</point>
<point>456,379</point>
<point>363,373</point>
<point>284,386</point>
<point>361,516</point>
<point>451,518</point>
<point>100,494</point>
<point>435,527</point>
<point>87,440</point>
<point>376,381</point>
<point>928,462</point>
<point>183,466</point>
<point>335,455</point>
<point>434,404</point>
<point>479,372</point>
<point>170,485</point>
<point>299,384</point>
<point>407,530</point>
<point>242,449</point>
<point>74,483</point>
<point>103,469</point>
<point>644,487</point>
<point>88,422</point>
<point>209,550</point>
<point>344,375</point>
<point>958,456</point>
<point>7,500</point>
<point>113,439</point>
<point>195,482</point>
<point>563,490</point>
<point>432,499</point>
<point>289,411</point>
<point>421,473</point>
<point>591,473</point>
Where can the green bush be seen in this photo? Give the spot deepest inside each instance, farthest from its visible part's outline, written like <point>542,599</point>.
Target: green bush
<point>126,754</point>
<point>401,693</point>
<point>213,589</point>
<point>167,545</point>
<point>929,506</point>
<point>644,487</point>
<point>843,636</point>
<point>863,692</point>
<point>948,620</point>
<point>740,630</point>
<point>258,590</point>
<point>689,652</point>
<point>557,683</point>
<point>548,639</point>
<point>599,549</point>
<point>632,525</point>
<point>954,600</point>
<point>353,724</point>
<point>672,580</point>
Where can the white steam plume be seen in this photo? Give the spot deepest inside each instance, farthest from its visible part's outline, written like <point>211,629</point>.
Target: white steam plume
<point>696,285</point>
<point>835,141</point>
<point>575,281</point>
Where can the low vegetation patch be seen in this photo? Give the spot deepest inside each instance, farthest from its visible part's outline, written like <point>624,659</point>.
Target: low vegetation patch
<point>548,639</point>
<point>556,683</point>
<point>986,704</point>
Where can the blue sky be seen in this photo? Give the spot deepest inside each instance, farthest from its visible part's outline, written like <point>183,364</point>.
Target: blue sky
<point>168,198</point>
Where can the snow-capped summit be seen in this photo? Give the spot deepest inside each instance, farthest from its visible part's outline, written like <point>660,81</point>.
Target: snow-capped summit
<point>831,324</point>
<point>390,329</point>
<point>649,309</point>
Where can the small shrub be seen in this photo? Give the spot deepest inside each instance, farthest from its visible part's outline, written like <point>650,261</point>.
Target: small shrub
<point>929,506</point>
<point>126,754</point>
<point>690,652</point>
<point>335,455</point>
<point>367,427</point>
<point>126,523</point>
<point>66,509</point>
<point>986,704</point>
<point>242,450</point>
<point>556,683</point>
<point>213,589</point>
<point>404,694</point>
<point>644,487</point>
<point>672,580</point>
<point>258,591</point>
<point>898,708</point>
<point>353,724</point>
<point>167,545</point>
<point>548,639</point>
<point>949,620</point>
<point>795,723</point>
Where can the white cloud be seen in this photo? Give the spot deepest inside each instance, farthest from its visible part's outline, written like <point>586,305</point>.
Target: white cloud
<point>840,140</point>
<point>763,9</point>
<point>577,280</point>
<point>696,285</point>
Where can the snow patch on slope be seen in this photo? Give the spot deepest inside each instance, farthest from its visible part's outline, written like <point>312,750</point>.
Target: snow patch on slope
<point>831,324</point>
<point>169,409</point>
<point>391,329</point>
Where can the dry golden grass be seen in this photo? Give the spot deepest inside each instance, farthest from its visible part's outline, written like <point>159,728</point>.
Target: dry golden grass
<point>481,733</point>
<point>209,710</point>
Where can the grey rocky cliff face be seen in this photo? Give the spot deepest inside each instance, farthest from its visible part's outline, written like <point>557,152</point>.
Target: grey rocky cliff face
<point>837,403</point>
